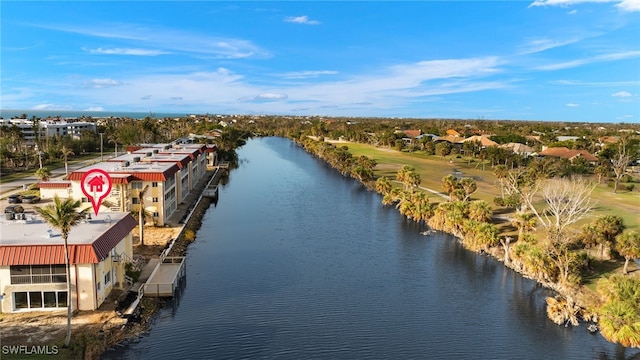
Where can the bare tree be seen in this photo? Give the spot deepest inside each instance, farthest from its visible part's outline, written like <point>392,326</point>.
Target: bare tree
<point>620,162</point>
<point>567,201</point>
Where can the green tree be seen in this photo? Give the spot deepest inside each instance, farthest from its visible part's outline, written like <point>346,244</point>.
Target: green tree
<point>43,174</point>
<point>64,215</point>
<point>628,245</point>
<point>66,152</point>
<point>383,185</point>
<point>480,210</point>
<point>619,313</point>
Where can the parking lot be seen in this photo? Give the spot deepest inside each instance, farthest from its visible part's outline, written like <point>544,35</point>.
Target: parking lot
<point>28,207</point>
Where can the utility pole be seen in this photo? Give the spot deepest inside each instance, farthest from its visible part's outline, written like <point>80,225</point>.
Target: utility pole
<point>101,158</point>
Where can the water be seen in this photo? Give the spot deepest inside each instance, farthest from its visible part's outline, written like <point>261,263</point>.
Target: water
<point>43,114</point>
<point>298,262</point>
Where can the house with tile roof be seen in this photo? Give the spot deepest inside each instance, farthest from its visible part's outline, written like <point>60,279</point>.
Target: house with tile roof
<point>566,153</point>
<point>32,267</point>
<point>482,139</point>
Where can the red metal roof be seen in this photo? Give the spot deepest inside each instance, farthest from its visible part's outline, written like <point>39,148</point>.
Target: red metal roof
<point>131,176</point>
<point>78,254</point>
<point>54,184</point>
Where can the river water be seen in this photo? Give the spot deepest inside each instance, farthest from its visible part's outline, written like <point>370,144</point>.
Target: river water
<point>297,262</point>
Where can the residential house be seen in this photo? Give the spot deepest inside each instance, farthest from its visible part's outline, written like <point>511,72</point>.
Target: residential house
<point>482,139</point>
<point>518,148</point>
<point>566,153</point>
<point>32,265</point>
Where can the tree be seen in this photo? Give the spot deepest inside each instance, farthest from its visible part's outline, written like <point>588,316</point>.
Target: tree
<point>607,228</point>
<point>63,215</point>
<point>480,210</point>
<point>65,154</point>
<point>142,213</point>
<point>628,245</point>
<point>620,162</point>
<point>567,201</point>
<point>383,185</point>
<point>619,313</point>
<point>43,174</point>
<point>409,177</point>
<point>443,148</point>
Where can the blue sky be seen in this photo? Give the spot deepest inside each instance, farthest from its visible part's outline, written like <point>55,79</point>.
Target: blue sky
<point>566,60</point>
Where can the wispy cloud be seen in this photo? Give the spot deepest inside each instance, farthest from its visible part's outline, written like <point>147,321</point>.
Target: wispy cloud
<point>102,83</point>
<point>307,74</point>
<point>539,45</point>
<point>94,108</point>
<point>301,20</point>
<point>600,58</point>
<point>165,41</point>
<point>52,107</point>
<point>624,5</point>
<point>621,94</point>
<point>573,105</point>
<point>271,97</point>
<point>126,51</point>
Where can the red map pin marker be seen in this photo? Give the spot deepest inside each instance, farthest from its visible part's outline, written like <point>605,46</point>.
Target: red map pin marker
<point>96,185</point>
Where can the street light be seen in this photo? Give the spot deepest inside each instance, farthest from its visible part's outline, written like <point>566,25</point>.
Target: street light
<point>101,147</point>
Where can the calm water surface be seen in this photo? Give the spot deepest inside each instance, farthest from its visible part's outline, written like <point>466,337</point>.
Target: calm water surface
<point>298,262</point>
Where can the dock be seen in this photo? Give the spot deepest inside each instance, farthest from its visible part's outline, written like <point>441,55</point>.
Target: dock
<point>166,277</point>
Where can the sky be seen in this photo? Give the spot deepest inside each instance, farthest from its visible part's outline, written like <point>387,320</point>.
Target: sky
<point>551,60</point>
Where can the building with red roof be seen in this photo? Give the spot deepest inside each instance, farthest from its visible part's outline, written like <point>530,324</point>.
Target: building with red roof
<point>32,266</point>
<point>566,153</point>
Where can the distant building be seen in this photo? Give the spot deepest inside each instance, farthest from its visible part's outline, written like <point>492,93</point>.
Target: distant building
<point>49,128</point>
<point>32,266</point>
<point>565,153</point>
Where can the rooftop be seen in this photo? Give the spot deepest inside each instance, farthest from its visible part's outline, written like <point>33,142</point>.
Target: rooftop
<point>34,231</point>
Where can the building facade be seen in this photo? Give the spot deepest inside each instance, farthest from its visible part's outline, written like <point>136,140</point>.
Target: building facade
<point>32,266</point>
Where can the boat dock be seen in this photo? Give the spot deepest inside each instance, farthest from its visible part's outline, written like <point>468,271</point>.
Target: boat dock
<point>166,277</point>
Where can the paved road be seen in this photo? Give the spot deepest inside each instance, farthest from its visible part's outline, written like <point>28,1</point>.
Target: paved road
<point>11,187</point>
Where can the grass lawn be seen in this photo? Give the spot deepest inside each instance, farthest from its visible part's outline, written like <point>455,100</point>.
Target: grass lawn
<point>433,168</point>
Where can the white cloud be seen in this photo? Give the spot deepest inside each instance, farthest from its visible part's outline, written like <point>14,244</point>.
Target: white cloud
<point>629,5</point>
<point>102,83</point>
<point>165,41</point>
<point>94,108</point>
<point>600,58</point>
<point>271,97</point>
<point>307,74</point>
<point>538,45</point>
<point>621,94</point>
<point>572,12</point>
<point>301,20</point>
<point>125,51</point>
<point>573,105</point>
<point>52,107</point>
<point>624,5</point>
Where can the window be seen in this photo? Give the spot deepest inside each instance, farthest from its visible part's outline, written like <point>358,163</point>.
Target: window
<point>38,274</point>
<point>98,285</point>
<point>107,278</point>
<point>85,200</point>
<point>155,214</point>
<point>136,185</point>
<point>154,184</point>
<point>135,200</point>
<point>155,199</point>
<point>39,299</point>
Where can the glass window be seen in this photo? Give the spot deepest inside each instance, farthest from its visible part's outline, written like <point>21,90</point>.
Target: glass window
<point>107,278</point>
<point>35,299</point>
<point>154,184</point>
<point>20,300</point>
<point>155,199</point>
<point>135,200</point>
<point>62,299</point>
<point>98,285</point>
<point>50,299</point>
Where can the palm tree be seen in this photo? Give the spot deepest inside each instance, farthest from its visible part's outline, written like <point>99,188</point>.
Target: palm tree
<point>524,222</point>
<point>63,215</point>
<point>65,154</point>
<point>628,245</point>
<point>43,174</point>
<point>141,213</point>
<point>480,210</point>
<point>383,185</point>
<point>619,316</point>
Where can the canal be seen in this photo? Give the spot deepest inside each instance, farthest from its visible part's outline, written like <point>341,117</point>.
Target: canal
<point>298,262</point>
